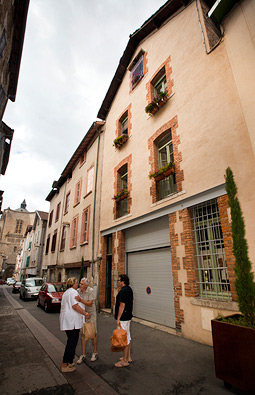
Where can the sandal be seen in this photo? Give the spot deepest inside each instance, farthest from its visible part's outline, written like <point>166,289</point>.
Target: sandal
<point>121,364</point>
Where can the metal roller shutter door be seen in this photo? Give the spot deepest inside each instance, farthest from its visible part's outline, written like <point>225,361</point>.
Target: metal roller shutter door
<point>150,274</point>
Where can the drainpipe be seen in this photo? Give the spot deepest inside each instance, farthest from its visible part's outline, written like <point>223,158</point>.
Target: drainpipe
<point>94,204</point>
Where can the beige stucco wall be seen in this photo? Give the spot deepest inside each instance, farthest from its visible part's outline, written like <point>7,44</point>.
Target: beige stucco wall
<point>212,128</point>
<point>214,100</point>
<point>72,255</point>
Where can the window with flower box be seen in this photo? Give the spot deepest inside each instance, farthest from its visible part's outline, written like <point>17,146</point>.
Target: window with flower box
<point>167,185</point>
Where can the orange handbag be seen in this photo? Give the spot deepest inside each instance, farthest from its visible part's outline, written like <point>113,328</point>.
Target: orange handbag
<point>118,340</point>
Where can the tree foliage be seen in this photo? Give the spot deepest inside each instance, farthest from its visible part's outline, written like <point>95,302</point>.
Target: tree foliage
<point>245,286</point>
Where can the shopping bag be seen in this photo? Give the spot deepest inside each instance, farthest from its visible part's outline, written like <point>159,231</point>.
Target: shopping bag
<point>118,340</point>
<point>88,330</point>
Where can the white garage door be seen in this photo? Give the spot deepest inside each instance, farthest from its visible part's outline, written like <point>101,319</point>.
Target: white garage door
<point>151,280</point>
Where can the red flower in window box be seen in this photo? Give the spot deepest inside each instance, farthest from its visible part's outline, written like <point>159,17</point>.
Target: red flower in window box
<point>122,194</point>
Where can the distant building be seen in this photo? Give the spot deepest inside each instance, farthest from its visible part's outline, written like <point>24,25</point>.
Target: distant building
<point>13,17</point>
<point>13,225</point>
<point>73,223</point>
<point>29,259</point>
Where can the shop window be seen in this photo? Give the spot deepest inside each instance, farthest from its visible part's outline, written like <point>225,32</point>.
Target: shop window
<point>85,226</point>
<point>210,252</point>
<point>167,185</point>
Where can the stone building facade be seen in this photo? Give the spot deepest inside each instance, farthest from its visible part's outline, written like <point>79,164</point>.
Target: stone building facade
<point>13,226</point>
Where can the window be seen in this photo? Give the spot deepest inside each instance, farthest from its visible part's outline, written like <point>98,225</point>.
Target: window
<point>83,157</point>
<point>63,238</point>
<point>67,202</point>
<point>122,205</point>
<point>124,124</point>
<point>50,218</point>
<point>85,226</point>
<point>19,224</point>
<point>57,212</point>
<point>47,245</point>
<point>54,241</point>
<point>210,252</point>
<point>77,193</point>
<point>90,180</point>
<point>27,261</point>
<point>166,186</point>
<point>74,228</point>
<point>137,72</point>
<point>160,85</point>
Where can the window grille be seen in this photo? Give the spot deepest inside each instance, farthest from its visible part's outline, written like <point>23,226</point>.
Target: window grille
<point>210,252</point>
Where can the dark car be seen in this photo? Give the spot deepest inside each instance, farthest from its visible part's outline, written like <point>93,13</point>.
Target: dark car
<point>16,287</point>
<point>50,295</point>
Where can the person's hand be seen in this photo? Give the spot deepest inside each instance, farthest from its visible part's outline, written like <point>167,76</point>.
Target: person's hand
<point>87,316</point>
<point>118,323</point>
<point>78,298</point>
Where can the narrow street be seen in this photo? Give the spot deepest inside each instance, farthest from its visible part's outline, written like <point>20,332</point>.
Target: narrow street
<point>163,364</point>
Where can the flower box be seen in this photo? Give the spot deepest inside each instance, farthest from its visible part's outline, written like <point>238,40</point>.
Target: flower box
<point>122,194</point>
<point>164,172</point>
<point>121,140</point>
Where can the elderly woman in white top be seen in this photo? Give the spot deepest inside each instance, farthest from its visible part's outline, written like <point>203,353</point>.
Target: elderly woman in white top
<point>71,322</point>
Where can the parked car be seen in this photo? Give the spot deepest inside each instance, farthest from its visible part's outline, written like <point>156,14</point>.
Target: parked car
<point>50,295</point>
<point>30,287</point>
<point>10,281</point>
<point>16,287</point>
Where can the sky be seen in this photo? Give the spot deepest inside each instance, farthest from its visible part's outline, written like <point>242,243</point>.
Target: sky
<point>71,51</point>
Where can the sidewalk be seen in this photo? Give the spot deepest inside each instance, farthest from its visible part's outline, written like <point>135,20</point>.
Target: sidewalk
<point>30,358</point>
<point>163,363</point>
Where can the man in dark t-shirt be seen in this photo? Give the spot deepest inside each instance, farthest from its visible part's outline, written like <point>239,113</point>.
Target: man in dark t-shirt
<point>123,315</point>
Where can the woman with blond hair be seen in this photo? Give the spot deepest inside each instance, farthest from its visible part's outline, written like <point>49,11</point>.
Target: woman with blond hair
<point>71,322</point>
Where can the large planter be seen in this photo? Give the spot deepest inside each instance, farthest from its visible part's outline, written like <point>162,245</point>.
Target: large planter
<point>119,142</point>
<point>165,174</point>
<point>234,353</point>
